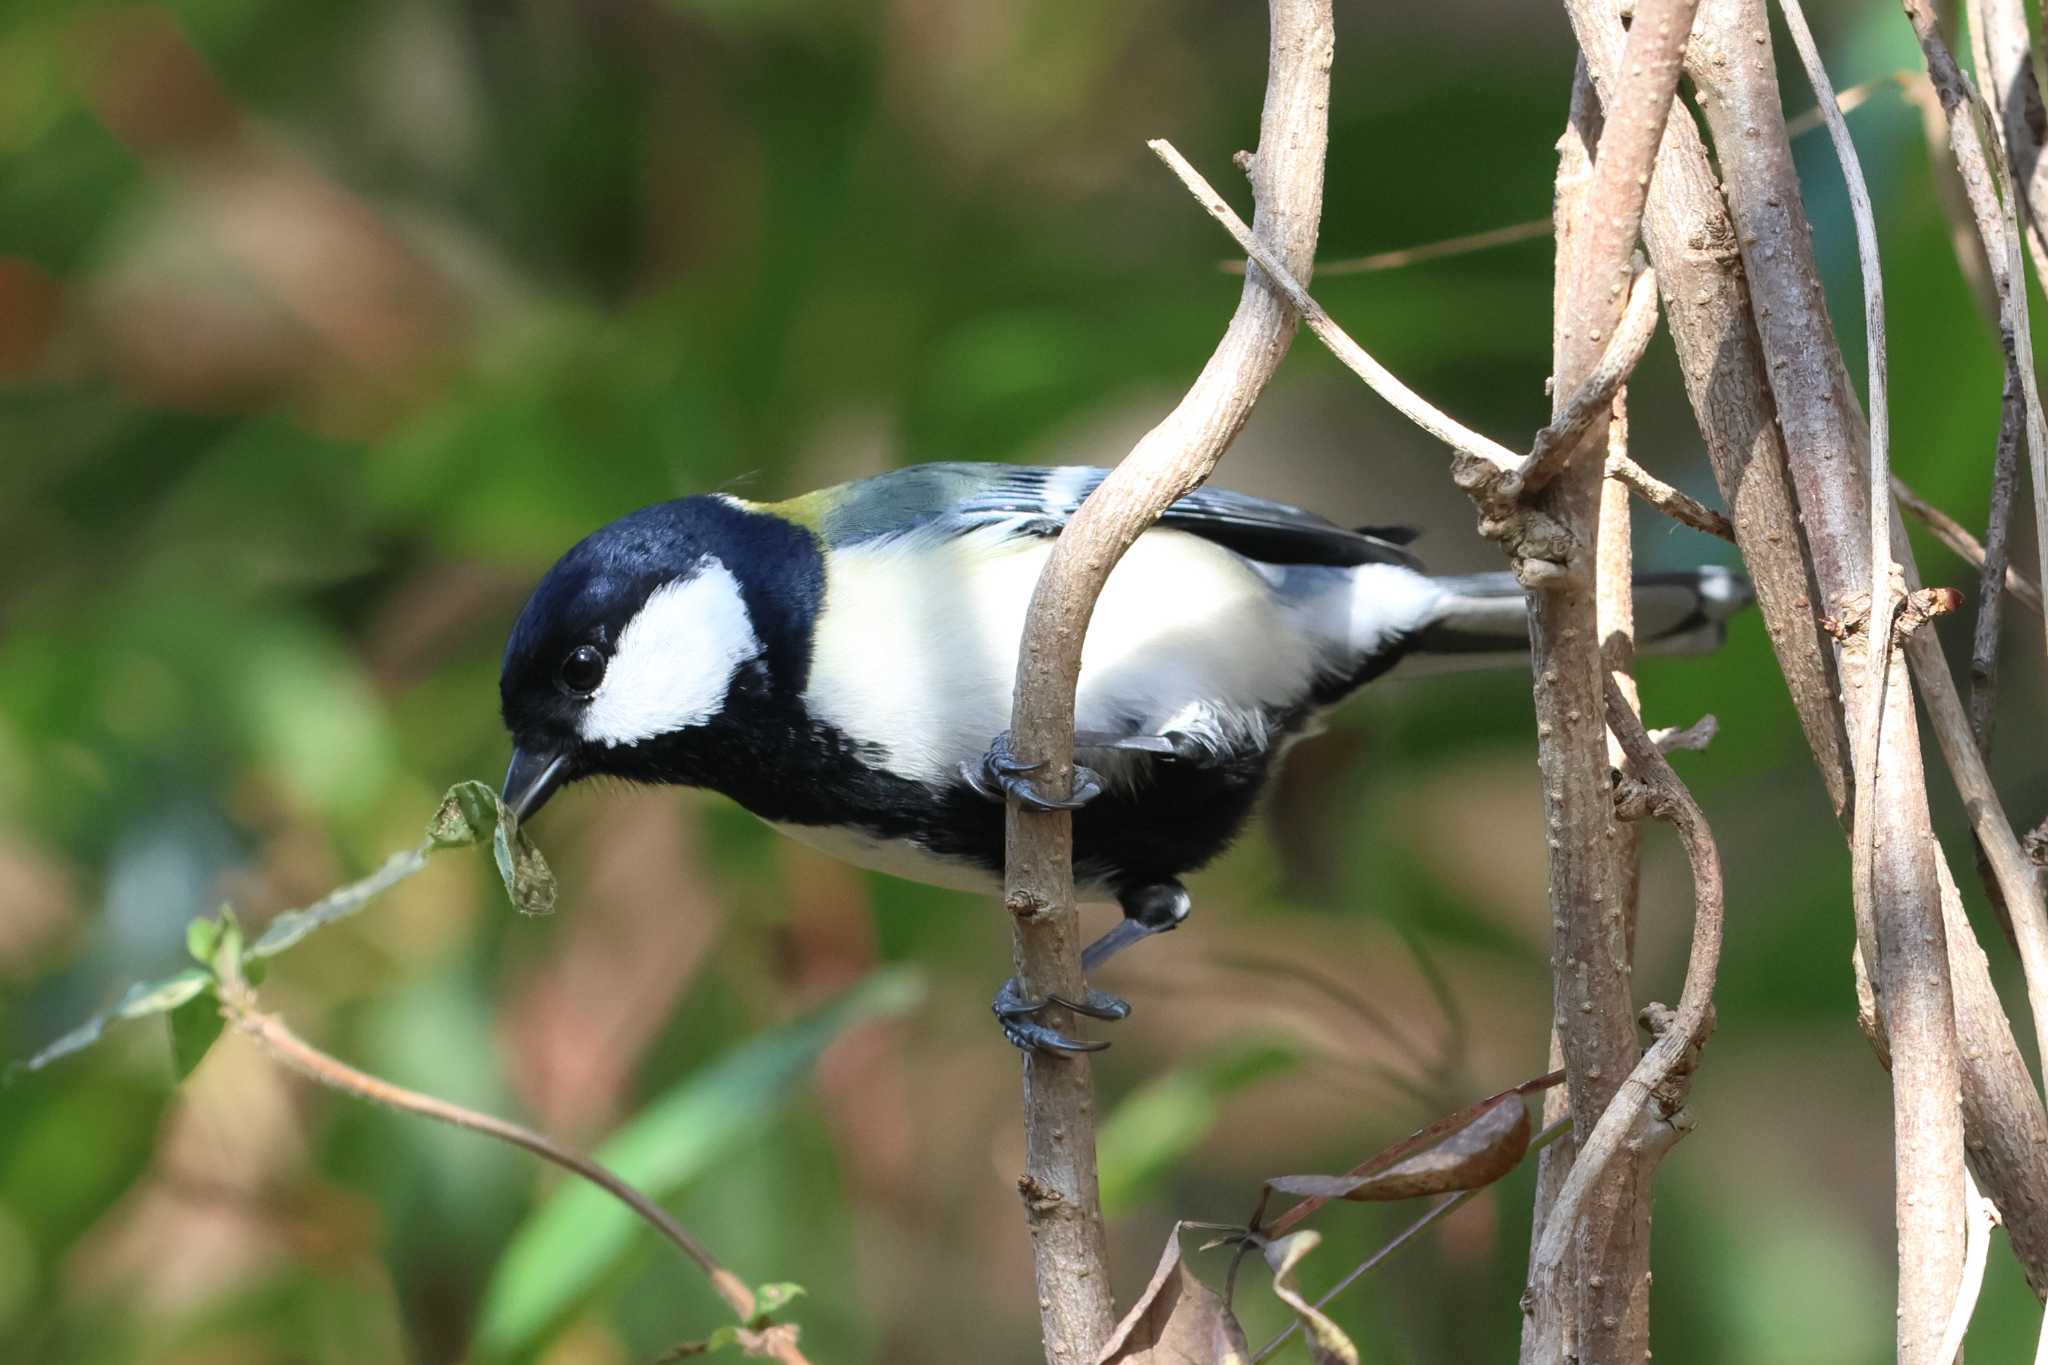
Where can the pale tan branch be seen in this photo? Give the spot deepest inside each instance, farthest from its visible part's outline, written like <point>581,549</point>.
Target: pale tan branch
<point>1696,736</point>
<point>2013,65</point>
<point>1553,541</point>
<point>1663,1072</point>
<point>1623,351</point>
<point>1976,1253</point>
<point>1693,241</point>
<point>1993,204</point>
<point>1460,438</point>
<point>1961,543</point>
<point>1061,1197</point>
<point>1963,745</point>
<point>1554,444</point>
<point>1434,251</point>
<point>1828,448</point>
<point>1680,507</point>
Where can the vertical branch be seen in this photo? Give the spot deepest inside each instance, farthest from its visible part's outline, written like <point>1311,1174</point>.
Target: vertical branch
<point>2012,886</point>
<point>1060,1192</point>
<point>1574,175</point>
<point>1694,246</point>
<point>2012,67</point>
<point>1848,518</point>
<point>1994,208</point>
<point>1615,595</point>
<point>1599,221</point>
<point>1991,574</point>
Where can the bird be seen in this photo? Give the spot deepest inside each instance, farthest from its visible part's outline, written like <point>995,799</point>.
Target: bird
<point>840,664</point>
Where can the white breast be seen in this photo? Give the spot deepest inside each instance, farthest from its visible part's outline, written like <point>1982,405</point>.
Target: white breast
<point>916,646</point>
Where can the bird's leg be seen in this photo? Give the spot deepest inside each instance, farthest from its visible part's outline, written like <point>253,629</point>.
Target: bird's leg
<point>1001,775</point>
<point>1148,910</point>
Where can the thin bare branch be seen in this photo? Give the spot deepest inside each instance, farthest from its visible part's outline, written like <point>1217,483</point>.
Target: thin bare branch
<point>241,1008</point>
<point>1976,1252</point>
<point>1061,1196</point>
<point>1529,231</point>
<point>1696,736</point>
<point>1882,601</point>
<point>1991,202</point>
<point>2011,66</point>
<point>1994,566</point>
<point>1993,205</point>
<point>1433,251</point>
<point>1957,538</point>
<point>1554,444</point>
<point>1460,438</point>
<point>1680,507</point>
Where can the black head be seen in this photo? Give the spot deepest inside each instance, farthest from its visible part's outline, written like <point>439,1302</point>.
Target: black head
<point>638,636</point>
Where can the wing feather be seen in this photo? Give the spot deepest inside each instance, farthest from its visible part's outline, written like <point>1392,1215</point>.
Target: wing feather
<point>1038,501</point>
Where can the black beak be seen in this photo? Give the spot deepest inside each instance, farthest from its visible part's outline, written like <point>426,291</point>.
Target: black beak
<point>532,779</point>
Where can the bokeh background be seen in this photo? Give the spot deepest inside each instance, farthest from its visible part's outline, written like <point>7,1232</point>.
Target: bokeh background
<point>325,326</point>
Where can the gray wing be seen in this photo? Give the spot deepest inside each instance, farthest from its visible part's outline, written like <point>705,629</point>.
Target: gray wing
<point>1038,501</point>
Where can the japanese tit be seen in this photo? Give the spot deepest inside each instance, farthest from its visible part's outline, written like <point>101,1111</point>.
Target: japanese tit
<point>841,665</point>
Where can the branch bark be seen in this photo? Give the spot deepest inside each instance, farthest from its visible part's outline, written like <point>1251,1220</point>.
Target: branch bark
<point>1964,745</point>
<point>1663,1075</point>
<point>1693,244</point>
<point>1061,1199</point>
<point>1899,908</point>
<point>1965,546</point>
<point>1554,544</point>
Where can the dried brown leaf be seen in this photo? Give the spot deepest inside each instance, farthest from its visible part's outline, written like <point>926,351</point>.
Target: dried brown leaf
<point>1475,1146</point>
<point>1327,1344</point>
<point>1178,1320</point>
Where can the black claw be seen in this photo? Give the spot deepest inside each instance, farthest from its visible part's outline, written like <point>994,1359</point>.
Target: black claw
<point>1096,1005</point>
<point>1028,1035</point>
<point>1018,1017</point>
<point>1001,776</point>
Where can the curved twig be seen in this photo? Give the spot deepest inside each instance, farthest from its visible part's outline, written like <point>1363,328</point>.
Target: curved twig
<point>1687,1028</point>
<point>239,1005</point>
<point>1061,1198</point>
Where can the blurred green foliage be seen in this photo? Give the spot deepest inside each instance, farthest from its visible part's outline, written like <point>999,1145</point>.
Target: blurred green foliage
<point>325,326</point>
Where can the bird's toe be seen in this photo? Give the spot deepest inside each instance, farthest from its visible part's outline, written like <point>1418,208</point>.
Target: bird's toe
<point>1017,1014</point>
<point>1001,776</point>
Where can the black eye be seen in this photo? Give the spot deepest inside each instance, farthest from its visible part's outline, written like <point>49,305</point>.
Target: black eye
<point>583,670</point>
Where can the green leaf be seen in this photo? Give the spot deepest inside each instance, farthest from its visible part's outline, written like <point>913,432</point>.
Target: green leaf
<point>528,880</point>
<point>567,1246</point>
<point>195,1026</point>
<point>773,1298</point>
<point>1164,1120</point>
<point>229,938</point>
<point>293,925</point>
<point>144,998</point>
<point>472,812</point>
<point>468,813</point>
<point>202,940</point>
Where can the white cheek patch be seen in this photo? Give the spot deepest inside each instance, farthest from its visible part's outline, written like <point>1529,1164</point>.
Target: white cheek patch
<point>674,661</point>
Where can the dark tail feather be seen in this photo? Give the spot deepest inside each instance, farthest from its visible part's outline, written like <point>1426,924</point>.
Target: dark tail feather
<point>1484,617</point>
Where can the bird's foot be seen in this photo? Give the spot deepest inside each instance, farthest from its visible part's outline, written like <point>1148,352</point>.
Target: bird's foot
<point>1001,776</point>
<point>1018,1016</point>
